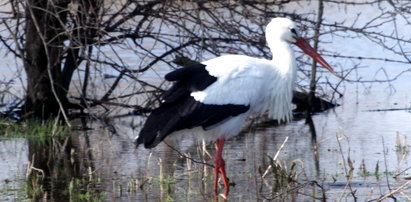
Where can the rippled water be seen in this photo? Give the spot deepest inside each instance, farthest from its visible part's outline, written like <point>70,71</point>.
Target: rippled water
<point>368,139</point>
<point>13,162</point>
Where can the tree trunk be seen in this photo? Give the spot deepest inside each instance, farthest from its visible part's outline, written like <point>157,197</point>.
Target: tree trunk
<point>43,53</point>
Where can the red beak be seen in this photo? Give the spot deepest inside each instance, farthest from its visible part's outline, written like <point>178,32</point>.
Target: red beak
<point>305,46</point>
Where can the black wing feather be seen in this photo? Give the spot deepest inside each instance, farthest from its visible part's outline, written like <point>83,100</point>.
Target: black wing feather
<point>181,111</point>
<point>188,79</point>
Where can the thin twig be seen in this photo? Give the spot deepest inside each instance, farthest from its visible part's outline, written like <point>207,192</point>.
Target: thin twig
<point>395,191</point>
<point>187,157</point>
<point>348,176</point>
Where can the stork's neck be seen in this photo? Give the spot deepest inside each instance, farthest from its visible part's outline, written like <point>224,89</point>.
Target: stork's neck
<point>283,57</point>
<point>283,61</point>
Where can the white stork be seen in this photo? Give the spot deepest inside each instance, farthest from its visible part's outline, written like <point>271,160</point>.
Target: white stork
<point>217,95</point>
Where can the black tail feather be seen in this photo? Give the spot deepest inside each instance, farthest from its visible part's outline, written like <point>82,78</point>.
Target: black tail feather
<point>157,126</point>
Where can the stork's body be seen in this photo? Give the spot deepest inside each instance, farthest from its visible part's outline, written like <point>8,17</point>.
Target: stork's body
<point>218,95</point>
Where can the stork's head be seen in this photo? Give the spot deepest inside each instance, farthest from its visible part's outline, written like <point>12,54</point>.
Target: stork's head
<point>281,30</point>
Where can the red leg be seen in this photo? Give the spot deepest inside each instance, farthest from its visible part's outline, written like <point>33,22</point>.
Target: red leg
<point>219,167</point>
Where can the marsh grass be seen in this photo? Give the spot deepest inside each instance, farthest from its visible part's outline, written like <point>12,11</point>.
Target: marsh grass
<point>32,129</point>
<point>81,189</point>
<point>34,186</point>
<point>43,188</point>
<point>289,182</point>
<point>281,175</point>
<point>54,172</point>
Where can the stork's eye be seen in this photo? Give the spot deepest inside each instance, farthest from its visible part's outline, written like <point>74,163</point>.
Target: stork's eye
<point>293,31</point>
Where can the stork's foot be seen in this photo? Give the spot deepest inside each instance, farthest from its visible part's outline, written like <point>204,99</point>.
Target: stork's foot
<point>219,168</point>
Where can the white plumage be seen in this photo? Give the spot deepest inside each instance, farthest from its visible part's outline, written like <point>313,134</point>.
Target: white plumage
<point>249,81</point>
<point>264,85</point>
